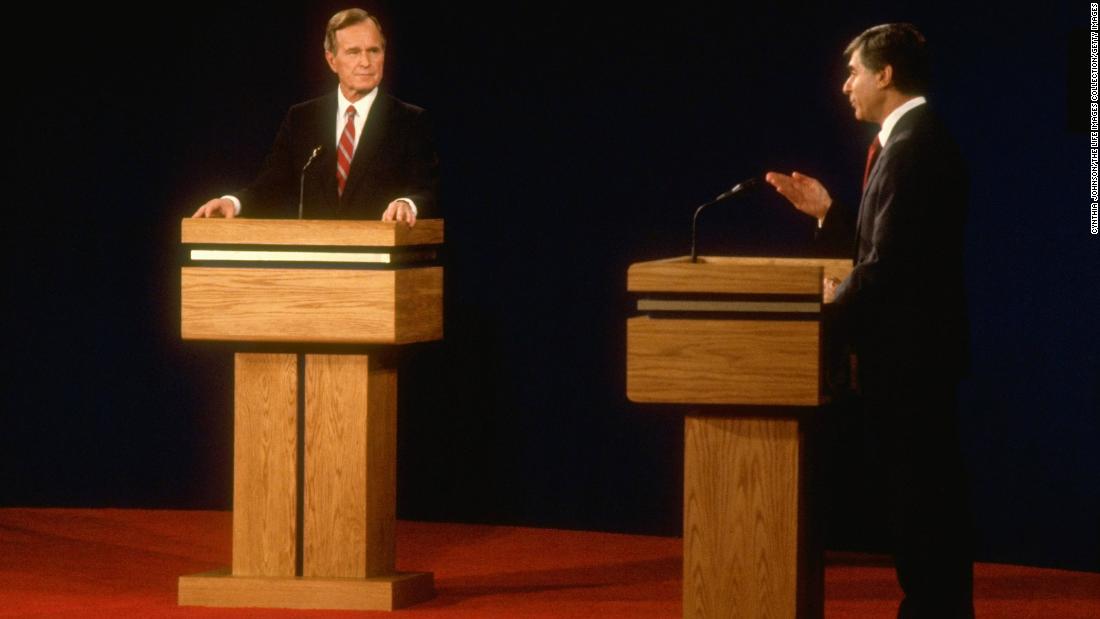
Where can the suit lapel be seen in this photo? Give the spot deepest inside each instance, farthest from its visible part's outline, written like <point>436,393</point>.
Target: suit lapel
<point>322,174</point>
<point>873,181</point>
<point>868,189</point>
<point>369,142</point>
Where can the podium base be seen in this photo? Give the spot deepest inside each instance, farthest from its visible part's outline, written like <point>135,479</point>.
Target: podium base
<point>220,588</point>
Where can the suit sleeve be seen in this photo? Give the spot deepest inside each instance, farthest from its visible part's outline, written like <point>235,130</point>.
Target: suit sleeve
<point>271,193</point>
<point>422,167</point>
<point>834,236</point>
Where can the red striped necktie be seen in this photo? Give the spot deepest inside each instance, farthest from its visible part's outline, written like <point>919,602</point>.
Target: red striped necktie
<point>345,151</point>
<point>872,154</point>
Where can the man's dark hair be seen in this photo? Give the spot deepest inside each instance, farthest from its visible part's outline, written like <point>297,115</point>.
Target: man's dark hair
<point>899,45</point>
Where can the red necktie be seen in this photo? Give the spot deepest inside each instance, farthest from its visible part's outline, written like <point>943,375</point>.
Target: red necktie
<point>872,154</point>
<point>345,151</point>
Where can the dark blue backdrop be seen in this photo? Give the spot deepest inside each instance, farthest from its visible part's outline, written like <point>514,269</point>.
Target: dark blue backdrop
<point>574,142</point>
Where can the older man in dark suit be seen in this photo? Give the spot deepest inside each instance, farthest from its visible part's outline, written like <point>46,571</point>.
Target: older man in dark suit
<point>364,154</point>
<point>903,310</point>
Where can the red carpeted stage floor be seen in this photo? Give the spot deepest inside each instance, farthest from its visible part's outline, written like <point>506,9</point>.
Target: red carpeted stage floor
<point>84,563</point>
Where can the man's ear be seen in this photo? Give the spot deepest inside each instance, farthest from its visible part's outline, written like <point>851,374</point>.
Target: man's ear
<point>885,78</point>
<point>330,58</point>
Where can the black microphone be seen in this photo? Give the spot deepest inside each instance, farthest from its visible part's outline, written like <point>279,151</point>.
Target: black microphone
<point>736,189</point>
<point>302,182</point>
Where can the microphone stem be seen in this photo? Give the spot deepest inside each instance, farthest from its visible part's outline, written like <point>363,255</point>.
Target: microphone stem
<point>302,192</point>
<point>302,181</point>
<point>738,188</point>
<point>694,219</point>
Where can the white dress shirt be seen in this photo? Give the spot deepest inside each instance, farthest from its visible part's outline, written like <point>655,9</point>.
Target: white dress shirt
<point>893,118</point>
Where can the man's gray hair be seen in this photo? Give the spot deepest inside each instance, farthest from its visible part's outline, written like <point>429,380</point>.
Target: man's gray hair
<point>345,18</point>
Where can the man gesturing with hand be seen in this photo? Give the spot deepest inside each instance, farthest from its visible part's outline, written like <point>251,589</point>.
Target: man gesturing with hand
<point>902,309</point>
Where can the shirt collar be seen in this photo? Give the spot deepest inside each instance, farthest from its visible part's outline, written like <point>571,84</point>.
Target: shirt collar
<point>895,116</point>
<point>362,106</point>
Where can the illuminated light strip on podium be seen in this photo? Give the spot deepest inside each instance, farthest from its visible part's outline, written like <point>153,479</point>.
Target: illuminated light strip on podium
<point>288,256</point>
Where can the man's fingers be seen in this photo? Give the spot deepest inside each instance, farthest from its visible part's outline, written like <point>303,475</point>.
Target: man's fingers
<point>781,182</point>
<point>806,182</point>
<point>777,180</point>
<point>806,193</point>
<point>405,214</point>
<point>216,208</point>
<point>789,191</point>
<point>399,211</point>
<point>802,180</point>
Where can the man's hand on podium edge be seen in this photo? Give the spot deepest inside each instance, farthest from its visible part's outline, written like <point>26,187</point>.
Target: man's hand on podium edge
<point>829,289</point>
<point>804,192</point>
<point>400,210</point>
<point>218,207</point>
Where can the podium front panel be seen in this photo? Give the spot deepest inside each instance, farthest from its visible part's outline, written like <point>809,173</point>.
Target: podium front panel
<point>722,361</point>
<point>343,306</point>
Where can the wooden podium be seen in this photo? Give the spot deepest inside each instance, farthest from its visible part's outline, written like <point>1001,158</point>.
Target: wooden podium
<point>315,309</point>
<point>738,340</point>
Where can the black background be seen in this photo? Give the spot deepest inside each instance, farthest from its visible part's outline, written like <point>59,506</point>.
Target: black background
<point>575,141</point>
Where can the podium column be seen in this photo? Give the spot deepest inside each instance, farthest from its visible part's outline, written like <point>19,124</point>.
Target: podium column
<point>741,518</point>
<point>265,455</point>
<point>350,456</point>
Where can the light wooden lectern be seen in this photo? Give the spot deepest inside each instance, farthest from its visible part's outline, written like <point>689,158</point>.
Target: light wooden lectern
<point>738,340</point>
<point>316,305</point>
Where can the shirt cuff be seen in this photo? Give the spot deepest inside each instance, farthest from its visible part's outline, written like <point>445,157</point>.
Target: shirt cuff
<point>411,204</point>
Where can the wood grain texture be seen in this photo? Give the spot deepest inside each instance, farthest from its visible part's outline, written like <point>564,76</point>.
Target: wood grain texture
<point>735,275</point>
<point>832,267</point>
<point>728,277</point>
<point>242,231</point>
<point>419,304</point>
<point>741,507</point>
<point>380,593</point>
<point>723,361</point>
<point>350,468</point>
<point>265,452</point>
<point>311,305</point>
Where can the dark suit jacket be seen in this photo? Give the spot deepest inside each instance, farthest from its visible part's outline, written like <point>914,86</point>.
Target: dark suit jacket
<point>395,158</point>
<point>903,306</point>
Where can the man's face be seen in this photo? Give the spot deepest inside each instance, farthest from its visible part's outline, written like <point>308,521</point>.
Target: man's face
<point>358,59</point>
<point>866,90</point>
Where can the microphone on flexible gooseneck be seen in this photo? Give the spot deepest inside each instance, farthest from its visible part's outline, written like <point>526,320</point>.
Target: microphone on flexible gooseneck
<point>736,189</point>
<point>302,182</point>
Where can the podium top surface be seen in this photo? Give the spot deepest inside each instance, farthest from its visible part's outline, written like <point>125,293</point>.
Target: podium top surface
<point>306,232</point>
<point>735,275</point>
